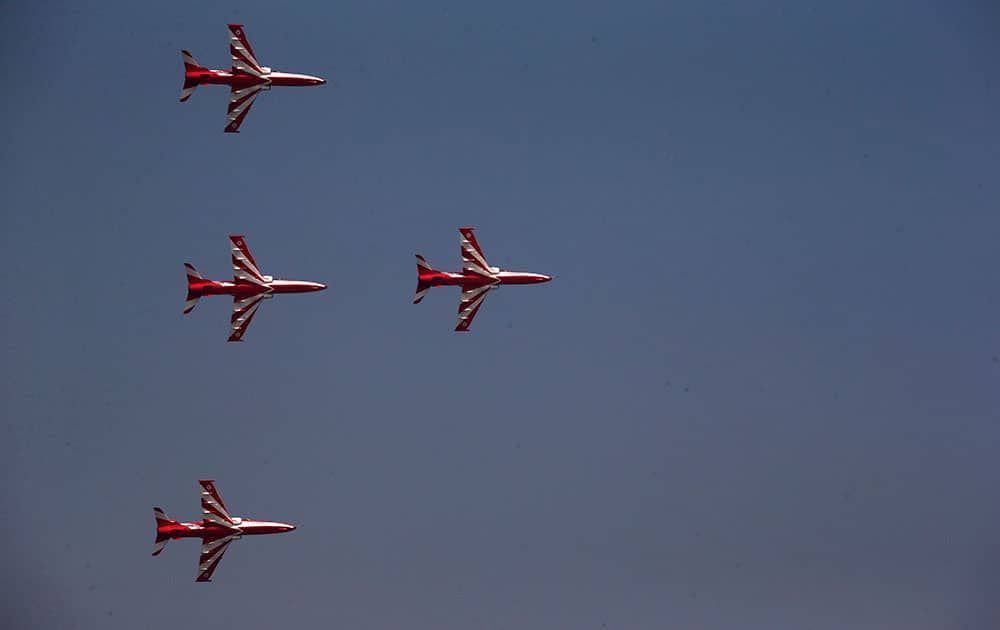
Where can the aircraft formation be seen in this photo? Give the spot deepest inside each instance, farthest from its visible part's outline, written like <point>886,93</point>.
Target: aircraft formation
<point>246,79</point>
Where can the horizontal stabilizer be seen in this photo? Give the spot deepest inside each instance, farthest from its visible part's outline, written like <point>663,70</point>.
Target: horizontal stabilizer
<point>194,293</point>
<point>161,520</point>
<point>423,286</point>
<point>191,302</point>
<point>191,66</point>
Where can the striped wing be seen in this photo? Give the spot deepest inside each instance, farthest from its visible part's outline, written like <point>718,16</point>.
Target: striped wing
<point>245,268</point>
<point>212,550</point>
<point>472,299</point>
<point>473,260</point>
<point>243,311</point>
<point>244,61</point>
<point>212,508</point>
<point>240,102</point>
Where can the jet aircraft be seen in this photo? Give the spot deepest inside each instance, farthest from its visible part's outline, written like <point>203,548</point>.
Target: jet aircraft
<point>248,288</point>
<point>246,80</point>
<point>477,278</point>
<point>217,529</point>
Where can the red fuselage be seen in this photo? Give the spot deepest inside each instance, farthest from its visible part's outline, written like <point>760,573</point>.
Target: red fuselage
<point>208,529</point>
<point>247,289</point>
<point>204,76</point>
<point>447,278</point>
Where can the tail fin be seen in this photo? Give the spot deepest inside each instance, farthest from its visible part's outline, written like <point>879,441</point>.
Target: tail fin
<point>161,539</point>
<point>423,285</point>
<point>191,65</point>
<point>194,278</point>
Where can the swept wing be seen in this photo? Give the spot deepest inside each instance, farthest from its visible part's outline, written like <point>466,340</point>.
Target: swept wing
<point>244,61</point>
<point>473,259</point>
<point>240,101</point>
<point>472,299</point>
<point>245,268</point>
<point>243,311</point>
<point>212,550</point>
<point>212,508</point>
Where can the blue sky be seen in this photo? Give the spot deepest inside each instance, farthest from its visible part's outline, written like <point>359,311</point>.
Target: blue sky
<point>761,392</point>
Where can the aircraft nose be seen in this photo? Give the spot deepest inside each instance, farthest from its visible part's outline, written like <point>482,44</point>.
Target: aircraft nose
<point>543,278</point>
<point>320,286</point>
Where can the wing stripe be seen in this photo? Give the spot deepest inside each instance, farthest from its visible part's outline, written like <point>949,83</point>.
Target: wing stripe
<point>212,550</point>
<point>239,49</point>
<point>472,300</point>
<point>240,102</point>
<point>473,259</point>
<point>243,312</point>
<point>212,506</point>
<point>244,266</point>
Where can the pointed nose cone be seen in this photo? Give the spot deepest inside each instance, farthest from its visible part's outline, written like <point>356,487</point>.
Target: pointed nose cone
<point>289,527</point>
<point>544,278</point>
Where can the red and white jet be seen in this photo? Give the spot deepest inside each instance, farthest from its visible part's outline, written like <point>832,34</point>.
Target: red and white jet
<point>246,79</point>
<point>477,278</point>
<point>217,529</point>
<point>248,288</point>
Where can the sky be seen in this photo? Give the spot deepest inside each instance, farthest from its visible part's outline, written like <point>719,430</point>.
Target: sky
<point>762,391</point>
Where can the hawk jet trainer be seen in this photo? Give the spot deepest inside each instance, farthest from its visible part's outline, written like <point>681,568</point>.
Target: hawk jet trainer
<point>246,79</point>
<point>248,288</point>
<point>216,529</point>
<point>477,278</point>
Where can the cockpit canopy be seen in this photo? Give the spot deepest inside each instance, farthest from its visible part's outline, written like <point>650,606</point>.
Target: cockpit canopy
<point>268,278</point>
<point>237,520</point>
<point>494,269</point>
<point>266,69</point>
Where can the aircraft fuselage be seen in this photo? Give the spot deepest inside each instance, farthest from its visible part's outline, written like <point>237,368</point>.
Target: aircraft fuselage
<point>204,76</point>
<point>208,529</point>
<point>247,289</point>
<point>447,278</point>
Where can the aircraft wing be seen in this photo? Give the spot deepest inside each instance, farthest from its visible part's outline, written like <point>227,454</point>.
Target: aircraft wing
<point>240,102</point>
<point>243,311</point>
<point>472,299</point>
<point>245,268</point>
<point>212,550</point>
<point>244,61</point>
<point>473,260</point>
<point>212,507</point>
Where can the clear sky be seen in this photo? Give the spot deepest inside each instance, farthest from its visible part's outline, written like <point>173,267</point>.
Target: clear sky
<point>763,390</point>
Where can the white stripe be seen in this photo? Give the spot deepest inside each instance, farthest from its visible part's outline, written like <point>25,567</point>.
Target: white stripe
<point>250,94</point>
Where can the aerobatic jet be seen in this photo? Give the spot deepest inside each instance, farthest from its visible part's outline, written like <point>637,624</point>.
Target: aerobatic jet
<point>248,288</point>
<point>216,529</point>
<point>246,79</point>
<point>477,278</point>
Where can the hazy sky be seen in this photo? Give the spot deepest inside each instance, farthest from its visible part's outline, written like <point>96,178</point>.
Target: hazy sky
<point>763,390</point>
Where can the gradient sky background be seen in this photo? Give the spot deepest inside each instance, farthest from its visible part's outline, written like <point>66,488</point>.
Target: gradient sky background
<point>763,390</point>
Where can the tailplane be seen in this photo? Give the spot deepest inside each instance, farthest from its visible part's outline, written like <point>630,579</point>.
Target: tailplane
<point>191,66</point>
<point>194,292</point>
<point>423,285</point>
<point>161,538</point>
